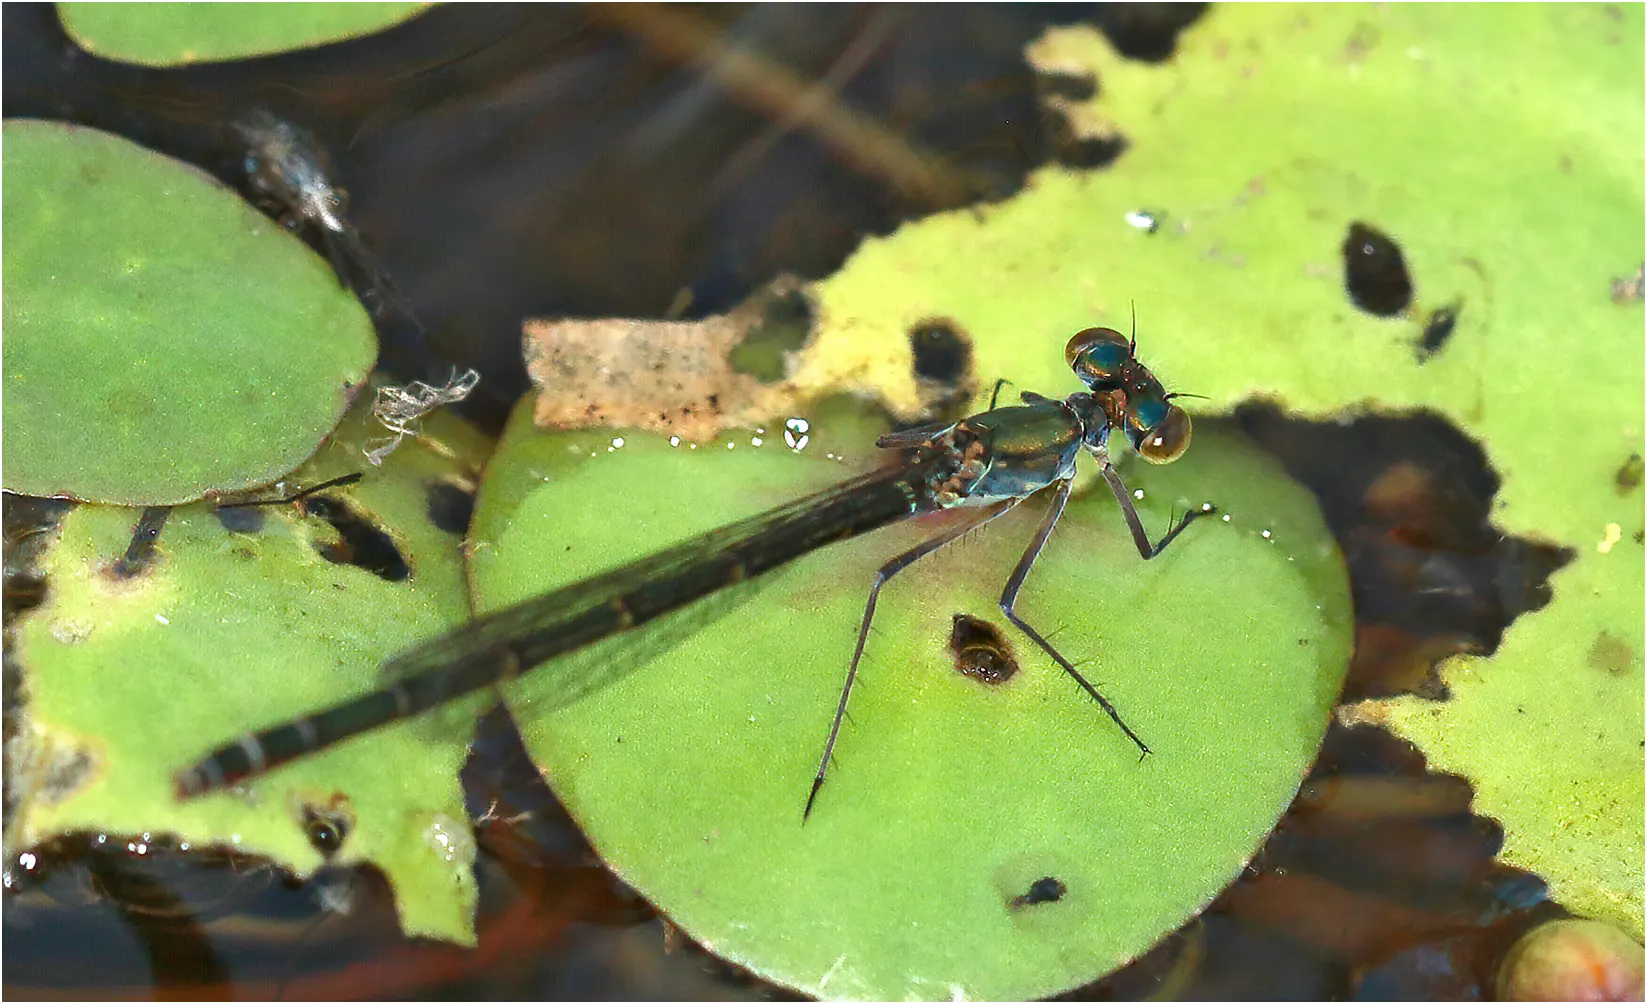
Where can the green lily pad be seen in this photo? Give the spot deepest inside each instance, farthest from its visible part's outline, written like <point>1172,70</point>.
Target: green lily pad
<point>1502,148</point>
<point>178,34</point>
<point>163,338</point>
<point>129,679</point>
<point>1001,842</point>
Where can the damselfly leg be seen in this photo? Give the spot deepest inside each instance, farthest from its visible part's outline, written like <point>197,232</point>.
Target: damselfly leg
<point>1008,601</point>
<point>972,521</point>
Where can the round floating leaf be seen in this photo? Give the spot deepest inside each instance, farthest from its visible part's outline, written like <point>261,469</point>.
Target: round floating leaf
<point>1502,149</point>
<point>991,842</point>
<point>177,34</point>
<point>163,338</point>
<point>240,622</point>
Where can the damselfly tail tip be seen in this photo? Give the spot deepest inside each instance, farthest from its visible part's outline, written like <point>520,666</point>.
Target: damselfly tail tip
<point>196,780</point>
<point>188,784</point>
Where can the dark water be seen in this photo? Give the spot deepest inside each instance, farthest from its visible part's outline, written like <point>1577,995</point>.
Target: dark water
<point>506,162</point>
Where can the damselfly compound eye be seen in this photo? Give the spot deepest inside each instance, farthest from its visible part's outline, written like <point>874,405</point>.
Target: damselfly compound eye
<point>1099,356</point>
<point>1168,439</point>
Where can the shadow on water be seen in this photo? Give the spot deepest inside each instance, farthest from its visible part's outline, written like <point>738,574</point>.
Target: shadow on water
<point>513,161</point>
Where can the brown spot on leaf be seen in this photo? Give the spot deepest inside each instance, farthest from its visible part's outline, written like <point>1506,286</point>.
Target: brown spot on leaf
<point>1611,654</point>
<point>1628,477</point>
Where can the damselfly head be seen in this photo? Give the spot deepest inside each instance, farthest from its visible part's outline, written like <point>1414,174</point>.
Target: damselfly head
<point>1132,397</point>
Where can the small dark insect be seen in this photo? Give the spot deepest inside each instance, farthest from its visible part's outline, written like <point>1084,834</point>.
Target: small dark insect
<point>980,651</point>
<point>1042,890</point>
<point>1438,329</point>
<point>140,552</point>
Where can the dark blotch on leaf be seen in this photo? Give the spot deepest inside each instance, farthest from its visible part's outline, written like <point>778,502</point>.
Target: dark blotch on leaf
<point>1375,275</point>
<point>451,507</point>
<point>57,773</point>
<point>941,350</point>
<point>1611,654</point>
<point>1627,289</point>
<point>1628,478</point>
<point>239,519</point>
<point>1042,890</point>
<point>980,651</point>
<point>140,552</point>
<point>362,544</point>
<point>1437,330</point>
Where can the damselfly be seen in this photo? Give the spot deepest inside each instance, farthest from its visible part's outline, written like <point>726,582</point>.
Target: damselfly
<point>983,466</point>
<point>286,165</point>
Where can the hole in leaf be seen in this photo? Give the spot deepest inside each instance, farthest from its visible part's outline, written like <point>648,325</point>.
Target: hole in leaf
<point>360,543</point>
<point>1410,501</point>
<point>326,827</point>
<point>785,324</point>
<point>1375,274</point>
<point>941,350</point>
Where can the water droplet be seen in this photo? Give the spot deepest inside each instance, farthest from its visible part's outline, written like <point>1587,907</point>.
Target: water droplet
<point>796,433</point>
<point>450,840</point>
<point>1144,220</point>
